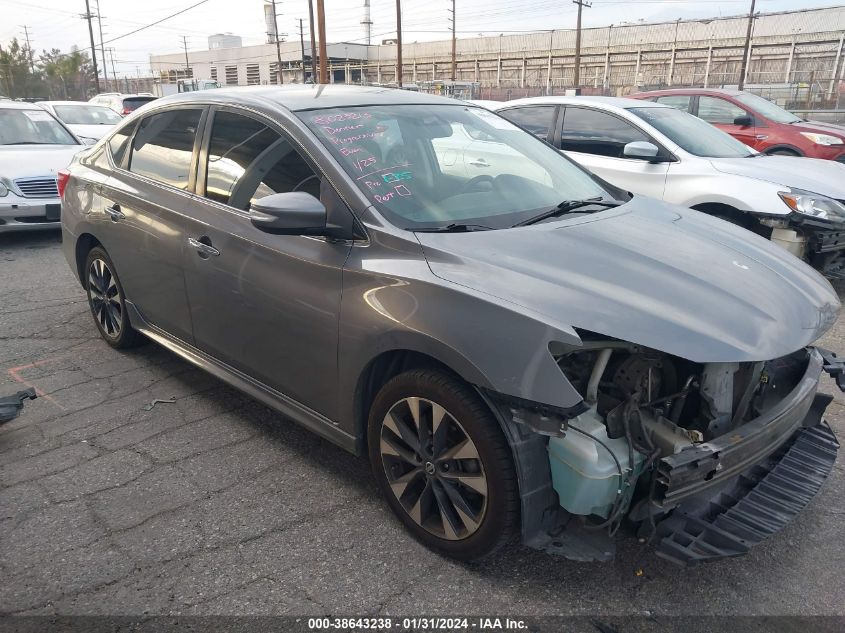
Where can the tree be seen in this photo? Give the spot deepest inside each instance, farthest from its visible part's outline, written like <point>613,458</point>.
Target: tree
<point>15,69</point>
<point>67,75</point>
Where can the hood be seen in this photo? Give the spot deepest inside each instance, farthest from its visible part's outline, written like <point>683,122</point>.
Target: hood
<point>660,276</point>
<point>821,128</point>
<point>826,177</point>
<point>90,131</point>
<point>27,161</point>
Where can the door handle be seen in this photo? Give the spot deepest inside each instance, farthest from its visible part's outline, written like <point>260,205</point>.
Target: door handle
<point>203,248</point>
<point>479,162</point>
<point>115,213</point>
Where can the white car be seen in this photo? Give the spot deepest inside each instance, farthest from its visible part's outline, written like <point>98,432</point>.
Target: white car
<point>34,146</point>
<point>656,150</point>
<point>122,103</point>
<point>89,122</point>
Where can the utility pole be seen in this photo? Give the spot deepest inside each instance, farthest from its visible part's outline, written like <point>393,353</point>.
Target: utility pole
<point>581,4</point>
<point>302,45</point>
<point>321,29</point>
<point>278,50</point>
<point>454,45</point>
<point>29,48</point>
<point>185,47</point>
<point>399,43</point>
<point>88,16</point>
<point>313,41</point>
<point>113,71</point>
<point>103,50</point>
<point>744,64</point>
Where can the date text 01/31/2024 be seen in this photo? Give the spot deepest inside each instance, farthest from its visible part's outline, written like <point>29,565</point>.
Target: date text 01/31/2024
<point>417,624</point>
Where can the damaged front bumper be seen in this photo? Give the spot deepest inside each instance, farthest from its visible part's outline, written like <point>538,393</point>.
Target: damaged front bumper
<point>728,495</point>
<point>712,501</point>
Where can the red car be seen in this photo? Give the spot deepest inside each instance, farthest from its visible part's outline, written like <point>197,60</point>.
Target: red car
<point>756,121</point>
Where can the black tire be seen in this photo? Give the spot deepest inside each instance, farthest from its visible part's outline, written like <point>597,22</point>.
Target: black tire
<point>464,415</point>
<point>106,301</point>
<point>782,152</point>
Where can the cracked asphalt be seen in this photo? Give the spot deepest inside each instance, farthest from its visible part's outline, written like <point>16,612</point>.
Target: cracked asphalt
<point>216,505</point>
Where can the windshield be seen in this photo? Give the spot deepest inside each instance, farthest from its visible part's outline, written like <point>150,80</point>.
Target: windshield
<point>436,165</point>
<point>692,134</point>
<point>87,115</point>
<point>766,108</point>
<point>32,127</point>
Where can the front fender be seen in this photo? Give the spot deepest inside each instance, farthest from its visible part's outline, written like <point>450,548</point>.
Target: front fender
<point>492,344</point>
<point>744,194</point>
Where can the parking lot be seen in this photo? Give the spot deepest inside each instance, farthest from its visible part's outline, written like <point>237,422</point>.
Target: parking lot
<point>212,504</point>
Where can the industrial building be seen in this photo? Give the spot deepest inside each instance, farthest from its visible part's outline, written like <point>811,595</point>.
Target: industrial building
<point>797,54</point>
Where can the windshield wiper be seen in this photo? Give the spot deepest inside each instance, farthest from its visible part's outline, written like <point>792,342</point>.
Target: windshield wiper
<point>454,228</point>
<point>30,143</point>
<point>568,206</point>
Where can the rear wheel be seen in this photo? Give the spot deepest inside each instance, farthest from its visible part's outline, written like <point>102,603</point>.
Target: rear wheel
<point>443,464</point>
<point>106,300</point>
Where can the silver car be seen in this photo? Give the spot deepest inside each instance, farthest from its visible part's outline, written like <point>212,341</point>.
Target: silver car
<point>522,353</point>
<point>34,146</point>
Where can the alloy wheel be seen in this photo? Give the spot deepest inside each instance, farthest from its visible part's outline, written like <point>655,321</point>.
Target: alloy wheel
<point>105,298</point>
<point>433,468</point>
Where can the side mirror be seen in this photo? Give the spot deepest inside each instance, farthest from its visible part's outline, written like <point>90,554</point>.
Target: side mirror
<point>641,149</point>
<point>744,121</point>
<point>291,213</point>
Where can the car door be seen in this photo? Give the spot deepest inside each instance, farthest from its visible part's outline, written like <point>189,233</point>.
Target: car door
<point>723,114</point>
<point>142,223</point>
<point>597,139</point>
<point>267,305</point>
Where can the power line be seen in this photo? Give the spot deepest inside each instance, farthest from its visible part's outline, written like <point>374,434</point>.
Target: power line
<point>152,24</point>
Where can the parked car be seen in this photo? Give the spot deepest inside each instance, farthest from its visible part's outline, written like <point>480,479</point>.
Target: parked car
<point>517,355</point>
<point>121,103</point>
<point>34,146</point>
<point>659,151</point>
<point>757,122</point>
<point>88,122</point>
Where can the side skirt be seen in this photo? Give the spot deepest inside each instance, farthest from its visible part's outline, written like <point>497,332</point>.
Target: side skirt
<point>296,411</point>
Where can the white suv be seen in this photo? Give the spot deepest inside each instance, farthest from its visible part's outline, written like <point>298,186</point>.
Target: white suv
<point>121,103</point>
<point>656,150</point>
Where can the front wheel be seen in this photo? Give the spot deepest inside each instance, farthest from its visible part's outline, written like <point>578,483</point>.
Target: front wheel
<point>106,300</point>
<point>443,464</point>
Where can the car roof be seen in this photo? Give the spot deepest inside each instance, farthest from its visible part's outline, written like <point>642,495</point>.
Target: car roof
<point>20,105</point>
<point>694,91</point>
<point>310,96</point>
<point>608,103</point>
<point>82,103</point>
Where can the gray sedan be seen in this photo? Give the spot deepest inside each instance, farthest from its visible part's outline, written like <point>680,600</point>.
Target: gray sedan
<point>529,352</point>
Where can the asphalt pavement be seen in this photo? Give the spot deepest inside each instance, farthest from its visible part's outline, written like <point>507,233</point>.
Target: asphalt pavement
<point>213,504</point>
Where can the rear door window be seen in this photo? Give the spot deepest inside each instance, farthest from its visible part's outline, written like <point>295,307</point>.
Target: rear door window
<point>599,133</point>
<point>536,119</point>
<point>162,148</point>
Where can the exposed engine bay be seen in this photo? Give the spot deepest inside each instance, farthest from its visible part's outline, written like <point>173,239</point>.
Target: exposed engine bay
<point>645,406</point>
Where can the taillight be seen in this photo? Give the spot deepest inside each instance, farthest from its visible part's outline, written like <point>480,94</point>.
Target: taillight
<point>62,178</point>
<point>125,111</point>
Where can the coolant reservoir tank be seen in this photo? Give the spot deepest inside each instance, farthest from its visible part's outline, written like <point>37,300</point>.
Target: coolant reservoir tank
<point>584,474</point>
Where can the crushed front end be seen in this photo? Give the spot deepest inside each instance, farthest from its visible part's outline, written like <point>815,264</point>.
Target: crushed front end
<point>703,460</point>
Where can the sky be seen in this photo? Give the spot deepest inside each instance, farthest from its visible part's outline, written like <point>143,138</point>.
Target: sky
<point>58,23</point>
